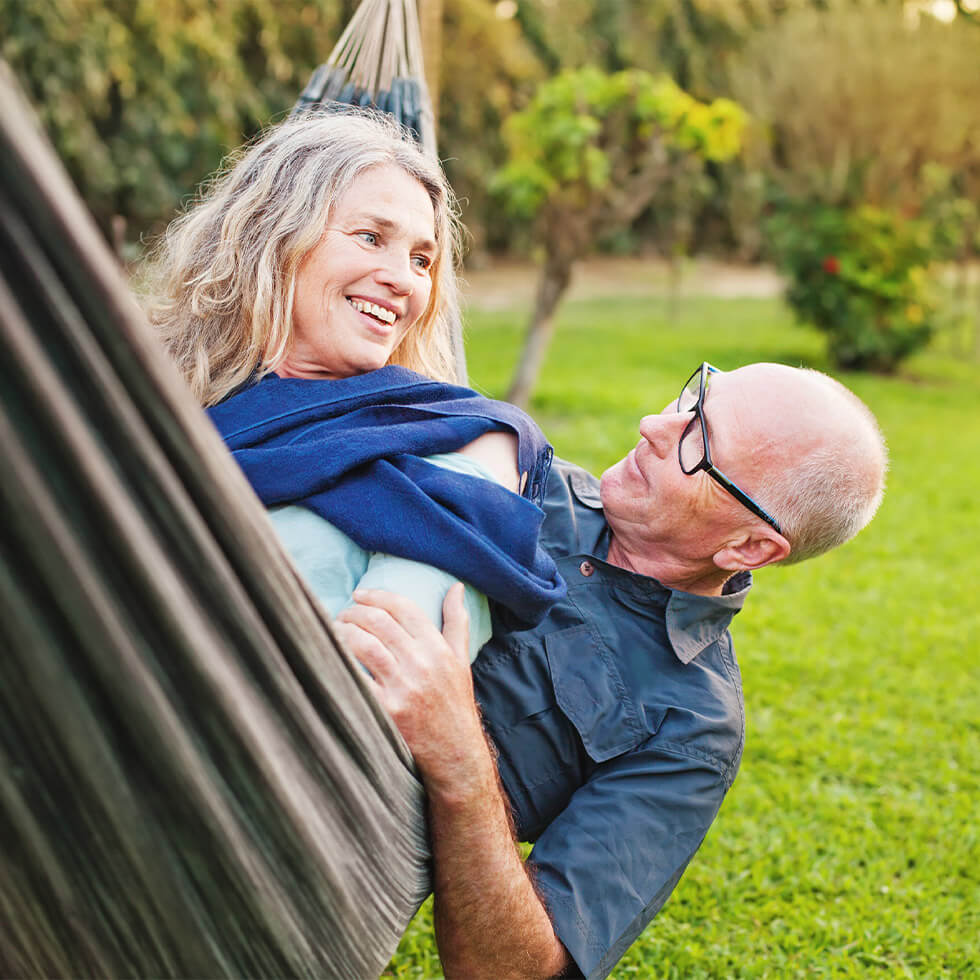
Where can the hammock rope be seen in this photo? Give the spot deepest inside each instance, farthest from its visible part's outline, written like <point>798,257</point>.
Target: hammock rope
<point>194,778</point>
<point>378,62</point>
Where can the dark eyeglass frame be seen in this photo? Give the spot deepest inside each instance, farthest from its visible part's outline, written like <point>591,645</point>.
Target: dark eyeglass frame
<point>705,370</point>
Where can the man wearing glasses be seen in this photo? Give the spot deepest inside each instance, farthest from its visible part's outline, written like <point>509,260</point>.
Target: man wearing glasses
<point>615,727</point>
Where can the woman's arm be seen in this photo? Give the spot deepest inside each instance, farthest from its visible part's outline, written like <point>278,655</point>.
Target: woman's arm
<point>497,451</point>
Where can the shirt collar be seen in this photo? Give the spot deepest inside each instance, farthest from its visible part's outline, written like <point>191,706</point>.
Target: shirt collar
<point>694,622</point>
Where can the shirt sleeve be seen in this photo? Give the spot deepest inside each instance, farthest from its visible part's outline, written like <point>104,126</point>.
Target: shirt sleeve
<point>604,880</point>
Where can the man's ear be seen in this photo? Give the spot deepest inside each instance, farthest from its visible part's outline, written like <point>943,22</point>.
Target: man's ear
<point>754,549</point>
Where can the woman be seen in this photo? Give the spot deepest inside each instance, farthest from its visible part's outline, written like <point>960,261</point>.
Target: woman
<point>293,297</point>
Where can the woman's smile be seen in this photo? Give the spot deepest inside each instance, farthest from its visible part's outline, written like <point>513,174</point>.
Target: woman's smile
<point>373,309</point>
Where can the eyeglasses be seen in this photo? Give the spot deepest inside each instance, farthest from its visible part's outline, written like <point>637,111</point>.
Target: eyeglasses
<point>693,450</point>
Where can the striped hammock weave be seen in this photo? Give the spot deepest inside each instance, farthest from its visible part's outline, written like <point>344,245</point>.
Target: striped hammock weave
<point>194,780</point>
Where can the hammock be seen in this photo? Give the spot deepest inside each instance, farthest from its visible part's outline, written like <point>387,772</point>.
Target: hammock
<point>194,780</point>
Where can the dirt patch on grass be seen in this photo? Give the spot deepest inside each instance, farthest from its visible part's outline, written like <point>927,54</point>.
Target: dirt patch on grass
<point>509,284</point>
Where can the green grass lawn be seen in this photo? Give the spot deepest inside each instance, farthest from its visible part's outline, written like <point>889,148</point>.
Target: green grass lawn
<point>848,846</point>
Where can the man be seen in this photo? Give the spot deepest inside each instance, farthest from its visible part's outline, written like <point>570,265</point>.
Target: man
<point>615,726</point>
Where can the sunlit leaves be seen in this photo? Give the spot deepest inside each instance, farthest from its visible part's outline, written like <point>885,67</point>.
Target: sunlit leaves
<point>585,129</point>
<point>143,98</point>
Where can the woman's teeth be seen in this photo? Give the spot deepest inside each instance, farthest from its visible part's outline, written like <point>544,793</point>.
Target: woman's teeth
<point>379,312</point>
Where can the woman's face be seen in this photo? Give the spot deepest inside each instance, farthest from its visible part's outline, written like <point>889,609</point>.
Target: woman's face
<point>367,281</point>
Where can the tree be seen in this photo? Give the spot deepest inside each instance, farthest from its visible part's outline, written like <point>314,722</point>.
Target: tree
<point>143,99</point>
<point>586,156</point>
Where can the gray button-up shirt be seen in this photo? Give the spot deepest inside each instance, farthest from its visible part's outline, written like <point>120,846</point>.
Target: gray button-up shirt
<point>619,725</point>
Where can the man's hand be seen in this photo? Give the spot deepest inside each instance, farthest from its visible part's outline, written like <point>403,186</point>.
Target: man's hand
<point>422,677</point>
<point>489,921</point>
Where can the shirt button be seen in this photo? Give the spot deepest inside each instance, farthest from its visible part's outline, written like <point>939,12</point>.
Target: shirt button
<point>586,568</point>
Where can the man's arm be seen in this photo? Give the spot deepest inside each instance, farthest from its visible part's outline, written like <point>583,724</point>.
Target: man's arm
<point>489,920</point>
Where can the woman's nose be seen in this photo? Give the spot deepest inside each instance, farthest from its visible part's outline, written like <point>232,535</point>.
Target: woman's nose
<point>396,272</point>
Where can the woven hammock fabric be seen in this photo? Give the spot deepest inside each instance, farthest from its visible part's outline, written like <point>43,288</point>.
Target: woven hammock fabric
<point>194,779</point>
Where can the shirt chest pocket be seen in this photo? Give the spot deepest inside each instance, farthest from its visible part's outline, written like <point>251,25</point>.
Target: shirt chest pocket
<point>591,694</point>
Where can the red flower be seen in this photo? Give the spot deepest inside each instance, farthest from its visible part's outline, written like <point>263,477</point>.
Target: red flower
<point>830,265</point>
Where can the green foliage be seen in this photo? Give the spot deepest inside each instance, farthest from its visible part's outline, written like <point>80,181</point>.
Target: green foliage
<point>848,847</point>
<point>689,41</point>
<point>486,66</point>
<point>867,113</point>
<point>585,132</point>
<point>143,98</point>
<point>861,277</point>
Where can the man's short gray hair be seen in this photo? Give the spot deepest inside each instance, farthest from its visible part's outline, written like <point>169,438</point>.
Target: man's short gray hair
<point>835,489</point>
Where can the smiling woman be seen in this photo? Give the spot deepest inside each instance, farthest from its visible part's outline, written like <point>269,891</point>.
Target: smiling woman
<point>292,296</point>
<point>367,281</point>
<point>320,210</point>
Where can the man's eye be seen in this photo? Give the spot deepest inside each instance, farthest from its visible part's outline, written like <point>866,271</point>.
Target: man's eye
<point>692,446</point>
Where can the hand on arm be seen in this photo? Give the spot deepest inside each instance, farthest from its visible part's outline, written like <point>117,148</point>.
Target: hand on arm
<point>489,920</point>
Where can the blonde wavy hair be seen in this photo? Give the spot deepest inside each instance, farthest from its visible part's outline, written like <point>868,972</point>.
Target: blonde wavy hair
<point>219,285</point>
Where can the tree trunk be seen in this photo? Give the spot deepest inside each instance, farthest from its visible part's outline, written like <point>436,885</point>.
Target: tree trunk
<point>555,278</point>
<point>430,24</point>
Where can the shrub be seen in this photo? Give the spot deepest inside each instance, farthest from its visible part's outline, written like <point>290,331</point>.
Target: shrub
<point>860,275</point>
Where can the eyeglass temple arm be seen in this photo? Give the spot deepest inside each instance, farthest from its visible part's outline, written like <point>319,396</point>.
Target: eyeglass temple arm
<point>742,497</point>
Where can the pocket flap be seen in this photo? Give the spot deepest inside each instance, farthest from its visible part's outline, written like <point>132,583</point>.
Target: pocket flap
<point>591,693</point>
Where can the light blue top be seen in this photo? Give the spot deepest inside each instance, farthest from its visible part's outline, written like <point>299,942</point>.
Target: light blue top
<point>334,566</point>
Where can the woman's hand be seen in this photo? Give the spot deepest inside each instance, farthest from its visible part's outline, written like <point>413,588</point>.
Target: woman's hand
<point>422,677</point>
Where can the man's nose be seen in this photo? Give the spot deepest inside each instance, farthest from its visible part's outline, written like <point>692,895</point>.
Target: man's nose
<point>662,431</point>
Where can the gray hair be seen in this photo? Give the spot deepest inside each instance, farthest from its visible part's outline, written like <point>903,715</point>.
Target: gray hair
<point>836,488</point>
<point>220,284</point>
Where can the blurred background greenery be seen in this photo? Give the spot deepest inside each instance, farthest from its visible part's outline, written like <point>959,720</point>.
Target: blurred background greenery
<point>859,120</point>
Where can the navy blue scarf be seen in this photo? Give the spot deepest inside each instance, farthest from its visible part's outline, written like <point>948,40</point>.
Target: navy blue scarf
<point>351,451</point>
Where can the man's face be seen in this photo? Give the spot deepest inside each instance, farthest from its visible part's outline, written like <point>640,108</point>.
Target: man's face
<point>651,503</point>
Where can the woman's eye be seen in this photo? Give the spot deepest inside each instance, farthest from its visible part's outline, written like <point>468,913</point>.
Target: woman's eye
<point>368,236</point>
<point>422,261</point>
